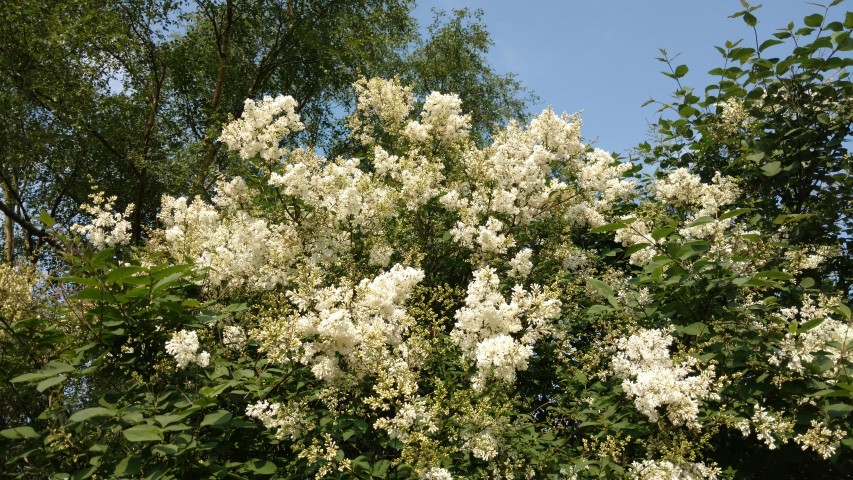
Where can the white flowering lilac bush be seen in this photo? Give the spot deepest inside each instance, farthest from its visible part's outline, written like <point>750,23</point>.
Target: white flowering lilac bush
<point>433,309</point>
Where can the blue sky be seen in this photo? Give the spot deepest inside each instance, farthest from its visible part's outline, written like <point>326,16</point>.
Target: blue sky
<point>599,56</point>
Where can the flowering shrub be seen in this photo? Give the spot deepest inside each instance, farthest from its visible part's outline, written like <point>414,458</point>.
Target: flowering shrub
<point>437,310</point>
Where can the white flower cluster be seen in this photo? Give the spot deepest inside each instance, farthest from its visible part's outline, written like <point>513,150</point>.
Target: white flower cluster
<point>680,188</point>
<point>262,126</point>
<point>601,181</point>
<point>638,232</point>
<point>732,115</point>
<point>499,336</point>
<point>436,473</point>
<point>821,438</point>
<point>441,119</point>
<point>668,470</point>
<point>288,421</point>
<point>380,103</point>
<point>520,265</point>
<point>236,248</point>
<point>653,380</point>
<point>515,182</point>
<point>807,258</point>
<point>410,416</point>
<point>184,347</point>
<point>829,338</point>
<point>483,445</point>
<point>234,337</point>
<point>769,427</point>
<point>108,228</point>
<point>362,326</point>
<point>343,197</point>
<point>701,201</point>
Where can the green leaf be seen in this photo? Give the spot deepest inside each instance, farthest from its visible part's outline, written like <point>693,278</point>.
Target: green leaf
<point>810,325</point>
<point>143,433</point>
<point>50,370</point>
<point>46,219</point>
<point>659,233</point>
<point>29,377</point>
<point>755,157</point>
<point>774,274</point>
<point>701,221</point>
<point>234,308</point>
<point>796,217</point>
<point>694,329</point>
<point>838,410</point>
<point>814,20</point>
<point>602,288</point>
<point>88,413</point>
<point>217,418</point>
<point>681,71</point>
<point>380,468</point>
<point>768,43</point>
<point>164,420</point>
<point>610,227</point>
<point>261,467</point>
<point>635,248</point>
<point>50,382</point>
<point>118,275</point>
<point>750,19</point>
<point>772,168</point>
<point>165,449</point>
<point>83,473</point>
<point>127,466</point>
<point>686,111</point>
<point>734,213</point>
<point>167,281</point>
<point>215,390</point>
<point>843,310</point>
<point>599,309</point>
<point>19,432</point>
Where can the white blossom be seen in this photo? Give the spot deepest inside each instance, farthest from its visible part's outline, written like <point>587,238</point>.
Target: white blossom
<point>437,473</point>
<point>669,470</point>
<point>184,348</point>
<point>499,336</point>
<point>653,380</point>
<point>521,264</point>
<point>107,228</point>
<point>287,421</point>
<point>262,126</point>
<point>234,337</point>
<point>821,438</point>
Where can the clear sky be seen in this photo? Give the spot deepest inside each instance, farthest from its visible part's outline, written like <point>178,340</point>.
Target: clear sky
<point>599,55</point>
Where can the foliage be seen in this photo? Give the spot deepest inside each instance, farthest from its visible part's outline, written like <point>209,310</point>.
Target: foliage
<point>777,119</point>
<point>438,304</point>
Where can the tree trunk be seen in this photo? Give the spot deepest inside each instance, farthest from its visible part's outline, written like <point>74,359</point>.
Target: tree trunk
<point>8,228</point>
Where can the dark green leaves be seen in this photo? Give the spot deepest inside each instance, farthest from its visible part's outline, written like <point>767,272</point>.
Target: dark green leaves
<point>88,413</point>
<point>19,432</point>
<point>772,168</point>
<point>143,433</point>
<point>216,419</point>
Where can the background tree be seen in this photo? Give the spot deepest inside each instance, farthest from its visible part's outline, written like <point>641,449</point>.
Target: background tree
<point>130,95</point>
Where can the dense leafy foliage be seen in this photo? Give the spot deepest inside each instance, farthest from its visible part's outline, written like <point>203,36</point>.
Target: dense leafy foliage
<point>445,301</point>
